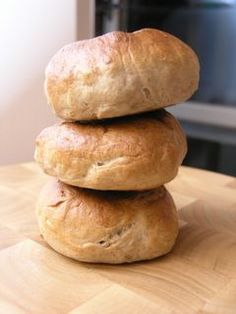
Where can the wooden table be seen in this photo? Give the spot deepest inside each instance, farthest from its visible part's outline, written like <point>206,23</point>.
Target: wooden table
<point>199,276</point>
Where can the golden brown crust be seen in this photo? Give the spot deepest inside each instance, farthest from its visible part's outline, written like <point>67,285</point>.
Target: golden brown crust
<point>120,74</point>
<point>133,153</point>
<point>107,227</point>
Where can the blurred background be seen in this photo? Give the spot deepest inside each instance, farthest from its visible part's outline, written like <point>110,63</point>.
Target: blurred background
<point>32,31</point>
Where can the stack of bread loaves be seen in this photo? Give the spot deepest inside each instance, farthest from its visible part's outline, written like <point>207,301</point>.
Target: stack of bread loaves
<point>116,146</point>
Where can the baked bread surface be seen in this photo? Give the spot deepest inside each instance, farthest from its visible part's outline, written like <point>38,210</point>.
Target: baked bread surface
<point>107,227</point>
<point>133,153</point>
<point>120,74</point>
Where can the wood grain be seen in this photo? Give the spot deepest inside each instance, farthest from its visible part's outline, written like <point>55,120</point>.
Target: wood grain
<point>199,276</point>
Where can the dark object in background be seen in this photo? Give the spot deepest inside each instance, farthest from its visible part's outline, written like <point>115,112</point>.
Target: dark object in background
<point>209,27</point>
<point>211,155</point>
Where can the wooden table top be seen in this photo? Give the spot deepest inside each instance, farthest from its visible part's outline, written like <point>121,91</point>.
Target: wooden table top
<point>199,276</point>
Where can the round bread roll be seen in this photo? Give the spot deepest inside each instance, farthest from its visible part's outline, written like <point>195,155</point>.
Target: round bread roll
<point>119,74</point>
<point>107,227</point>
<point>134,153</point>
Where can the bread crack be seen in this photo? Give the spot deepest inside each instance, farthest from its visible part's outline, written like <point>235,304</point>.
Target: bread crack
<point>114,236</point>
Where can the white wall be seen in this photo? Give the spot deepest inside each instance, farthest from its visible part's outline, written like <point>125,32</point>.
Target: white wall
<point>31,31</point>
